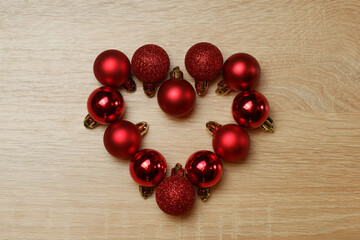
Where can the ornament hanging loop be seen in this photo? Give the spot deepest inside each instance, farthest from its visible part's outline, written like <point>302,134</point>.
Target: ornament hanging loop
<point>268,125</point>
<point>176,73</point>
<point>222,88</point>
<point>149,89</point>
<point>201,87</point>
<point>89,122</point>
<point>212,127</point>
<point>143,127</point>
<point>204,193</point>
<point>145,192</point>
<point>178,170</point>
<point>129,85</point>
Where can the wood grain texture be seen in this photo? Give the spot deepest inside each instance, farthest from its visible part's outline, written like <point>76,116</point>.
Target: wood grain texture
<point>302,182</point>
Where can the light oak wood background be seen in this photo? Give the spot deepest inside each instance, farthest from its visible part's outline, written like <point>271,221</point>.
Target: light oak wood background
<point>302,182</point>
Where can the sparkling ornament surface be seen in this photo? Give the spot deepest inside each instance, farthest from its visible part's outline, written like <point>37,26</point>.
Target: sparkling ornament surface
<point>150,63</point>
<point>203,169</point>
<point>250,109</point>
<point>204,61</point>
<point>147,167</point>
<point>231,142</point>
<point>122,139</point>
<point>105,105</point>
<point>176,97</point>
<point>175,195</point>
<point>241,71</point>
<point>112,68</point>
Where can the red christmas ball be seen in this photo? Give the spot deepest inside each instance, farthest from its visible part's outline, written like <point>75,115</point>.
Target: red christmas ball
<point>203,169</point>
<point>150,63</point>
<point>122,139</point>
<point>250,109</point>
<point>112,68</point>
<point>176,97</point>
<point>241,71</point>
<point>203,61</point>
<point>105,105</point>
<point>231,142</point>
<point>148,167</point>
<point>175,195</point>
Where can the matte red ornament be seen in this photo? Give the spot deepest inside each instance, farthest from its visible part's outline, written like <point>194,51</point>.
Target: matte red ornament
<point>112,68</point>
<point>204,62</point>
<point>176,96</point>
<point>105,105</point>
<point>203,169</point>
<point>250,109</point>
<point>122,138</point>
<point>230,142</point>
<point>175,195</point>
<point>148,167</point>
<point>241,72</point>
<point>150,64</point>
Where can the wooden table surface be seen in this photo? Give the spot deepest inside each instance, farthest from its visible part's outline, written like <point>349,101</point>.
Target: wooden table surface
<point>302,182</point>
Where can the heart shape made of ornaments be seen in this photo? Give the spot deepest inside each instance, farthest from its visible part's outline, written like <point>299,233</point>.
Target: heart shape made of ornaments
<point>150,63</point>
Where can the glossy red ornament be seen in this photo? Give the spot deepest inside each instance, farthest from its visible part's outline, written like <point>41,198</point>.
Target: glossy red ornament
<point>231,142</point>
<point>250,109</point>
<point>150,64</point>
<point>148,167</point>
<point>203,169</point>
<point>105,105</point>
<point>204,62</point>
<point>123,138</point>
<point>112,68</point>
<point>176,96</point>
<point>241,71</point>
<point>175,195</point>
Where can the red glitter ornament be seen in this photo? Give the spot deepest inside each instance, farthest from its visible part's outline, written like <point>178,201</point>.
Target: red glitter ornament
<point>122,138</point>
<point>241,72</point>
<point>175,195</point>
<point>204,62</point>
<point>176,96</point>
<point>148,167</point>
<point>150,64</point>
<point>105,105</point>
<point>250,109</point>
<point>112,68</point>
<point>230,142</point>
